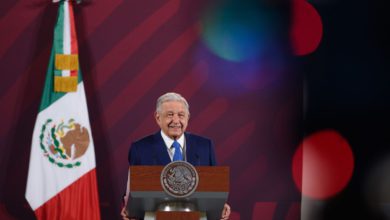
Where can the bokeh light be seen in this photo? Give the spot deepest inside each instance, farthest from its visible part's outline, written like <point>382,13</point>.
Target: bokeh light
<point>306,30</point>
<point>377,187</point>
<point>238,31</point>
<point>244,44</point>
<point>323,164</point>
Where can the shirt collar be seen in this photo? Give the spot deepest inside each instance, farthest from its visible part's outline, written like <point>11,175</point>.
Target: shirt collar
<point>169,141</point>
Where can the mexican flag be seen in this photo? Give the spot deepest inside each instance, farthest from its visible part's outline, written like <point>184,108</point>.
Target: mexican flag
<point>62,176</point>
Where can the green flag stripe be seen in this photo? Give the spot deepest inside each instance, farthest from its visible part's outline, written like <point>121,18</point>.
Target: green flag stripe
<point>49,96</point>
<point>59,30</point>
<point>58,42</point>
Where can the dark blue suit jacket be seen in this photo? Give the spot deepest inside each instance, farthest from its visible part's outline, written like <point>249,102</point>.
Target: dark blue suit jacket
<point>151,150</point>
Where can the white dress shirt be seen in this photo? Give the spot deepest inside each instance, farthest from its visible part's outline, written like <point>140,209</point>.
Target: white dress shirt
<point>168,143</point>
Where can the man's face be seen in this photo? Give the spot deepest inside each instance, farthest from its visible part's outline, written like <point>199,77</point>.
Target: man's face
<point>172,118</point>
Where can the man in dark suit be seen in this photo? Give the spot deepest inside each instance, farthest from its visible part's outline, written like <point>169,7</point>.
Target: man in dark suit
<point>152,150</point>
<point>172,143</point>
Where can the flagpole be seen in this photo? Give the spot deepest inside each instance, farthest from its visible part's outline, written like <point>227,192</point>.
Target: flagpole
<point>77,1</point>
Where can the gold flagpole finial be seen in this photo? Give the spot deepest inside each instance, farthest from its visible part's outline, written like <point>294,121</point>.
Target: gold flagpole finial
<point>77,1</point>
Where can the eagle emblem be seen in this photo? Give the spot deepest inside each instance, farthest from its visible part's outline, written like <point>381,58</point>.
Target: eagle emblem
<point>64,143</point>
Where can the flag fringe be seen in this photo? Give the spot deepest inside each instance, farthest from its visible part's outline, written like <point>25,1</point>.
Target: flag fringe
<point>67,62</point>
<point>65,83</point>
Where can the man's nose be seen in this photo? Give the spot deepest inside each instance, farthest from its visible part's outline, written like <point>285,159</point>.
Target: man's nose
<point>176,118</point>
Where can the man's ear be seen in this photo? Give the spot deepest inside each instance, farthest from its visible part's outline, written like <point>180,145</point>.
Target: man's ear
<point>157,117</point>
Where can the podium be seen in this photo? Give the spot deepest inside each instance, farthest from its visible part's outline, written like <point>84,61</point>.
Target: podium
<point>148,196</point>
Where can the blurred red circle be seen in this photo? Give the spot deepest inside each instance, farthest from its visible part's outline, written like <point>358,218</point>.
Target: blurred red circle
<point>323,164</point>
<point>306,30</point>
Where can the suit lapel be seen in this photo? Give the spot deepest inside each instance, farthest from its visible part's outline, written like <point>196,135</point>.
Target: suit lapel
<point>192,156</point>
<point>160,150</point>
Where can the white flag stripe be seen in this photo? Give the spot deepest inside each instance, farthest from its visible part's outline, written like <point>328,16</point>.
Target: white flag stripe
<point>45,179</point>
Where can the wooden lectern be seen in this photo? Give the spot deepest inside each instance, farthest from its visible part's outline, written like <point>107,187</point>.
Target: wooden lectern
<point>147,194</point>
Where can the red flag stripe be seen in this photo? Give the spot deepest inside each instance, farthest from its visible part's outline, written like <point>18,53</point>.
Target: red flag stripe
<point>73,36</point>
<point>70,202</point>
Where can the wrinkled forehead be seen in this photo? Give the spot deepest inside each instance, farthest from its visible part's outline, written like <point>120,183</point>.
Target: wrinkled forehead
<point>173,106</point>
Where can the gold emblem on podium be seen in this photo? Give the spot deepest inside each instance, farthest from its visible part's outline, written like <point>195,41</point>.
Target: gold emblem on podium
<point>179,179</point>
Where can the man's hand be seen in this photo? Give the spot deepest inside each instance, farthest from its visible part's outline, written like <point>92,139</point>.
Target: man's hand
<point>225,212</point>
<point>124,214</point>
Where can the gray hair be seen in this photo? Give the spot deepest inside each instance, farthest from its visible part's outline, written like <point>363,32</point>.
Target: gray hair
<point>171,96</point>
